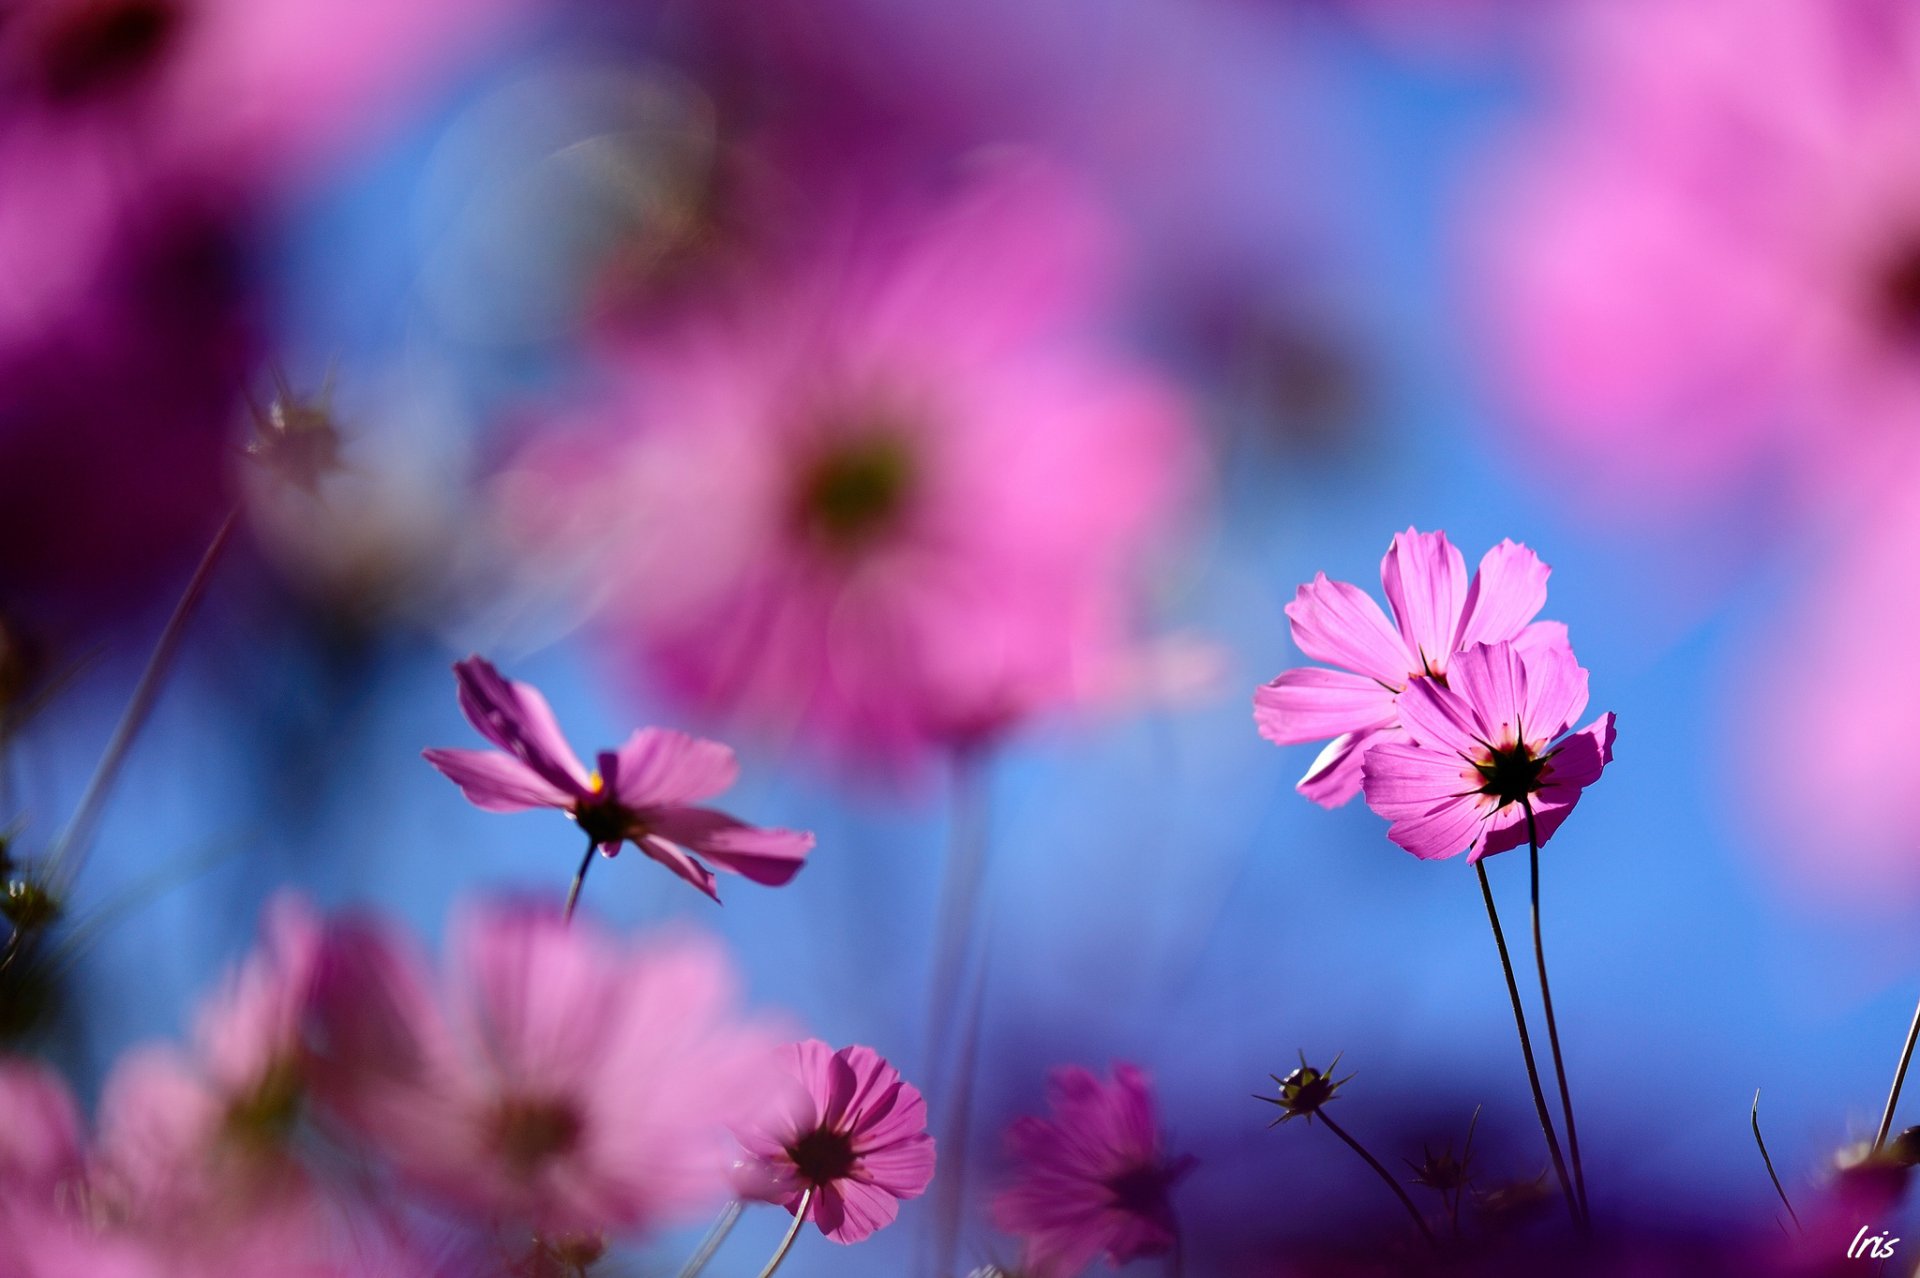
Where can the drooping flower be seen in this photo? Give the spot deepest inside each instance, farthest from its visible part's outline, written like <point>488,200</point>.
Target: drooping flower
<point>570,1081</point>
<point>1484,748</point>
<point>853,1131</point>
<point>1095,1179</point>
<point>644,793</point>
<point>922,481</point>
<point>1438,611</point>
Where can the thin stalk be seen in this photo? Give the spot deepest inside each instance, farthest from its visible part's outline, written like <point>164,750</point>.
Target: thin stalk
<point>1899,1078</point>
<point>579,880</point>
<point>1177,1260</point>
<point>1398,1190</point>
<point>1526,1047</point>
<point>953,1190</point>
<point>1771,1174</point>
<point>793,1232</point>
<point>73,841</point>
<point>1553,1028</point>
<point>711,1243</point>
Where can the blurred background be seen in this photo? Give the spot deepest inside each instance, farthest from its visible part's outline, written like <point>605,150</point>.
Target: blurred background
<point>489,320</point>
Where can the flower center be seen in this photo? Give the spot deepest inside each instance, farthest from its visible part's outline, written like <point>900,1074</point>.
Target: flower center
<point>263,1118</point>
<point>822,1157</point>
<point>857,490</point>
<point>1510,775</point>
<point>529,1131</point>
<point>1139,1191</point>
<point>98,45</point>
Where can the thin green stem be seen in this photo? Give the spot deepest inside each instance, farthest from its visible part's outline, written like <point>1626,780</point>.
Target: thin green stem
<point>1771,1174</point>
<point>1526,1047</point>
<point>579,879</point>
<point>72,846</point>
<point>711,1243</point>
<point>1399,1191</point>
<point>1899,1078</point>
<point>1553,1028</point>
<point>793,1232</point>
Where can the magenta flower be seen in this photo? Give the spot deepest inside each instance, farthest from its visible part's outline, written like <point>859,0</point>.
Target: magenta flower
<point>922,482</point>
<point>570,1081</point>
<point>1439,611</point>
<point>1485,746</point>
<point>1095,1179</point>
<point>644,793</point>
<point>854,1132</point>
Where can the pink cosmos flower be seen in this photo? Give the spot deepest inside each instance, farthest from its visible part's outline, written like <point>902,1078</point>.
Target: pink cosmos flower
<point>889,499</point>
<point>1094,1179</point>
<point>1484,746</point>
<point>644,793</point>
<point>1704,267</point>
<point>1438,611</point>
<point>567,1080</point>
<point>40,1130</point>
<point>854,1132</point>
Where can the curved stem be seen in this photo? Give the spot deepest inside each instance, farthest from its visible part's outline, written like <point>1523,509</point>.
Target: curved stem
<point>1771,1174</point>
<point>1398,1190</point>
<point>579,880</point>
<point>1899,1078</point>
<point>793,1232</point>
<point>1526,1046</point>
<point>73,841</point>
<point>1553,1028</point>
<point>711,1243</point>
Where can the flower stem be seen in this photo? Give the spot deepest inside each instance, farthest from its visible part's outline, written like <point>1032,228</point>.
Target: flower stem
<point>73,841</point>
<point>579,880</point>
<point>1771,1174</point>
<point>793,1232</point>
<point>1526,1046</point>
<point>1399,1191</point>
<point>1553,1028</point>
<point>711,1243</point>
<point>1899,1078</point>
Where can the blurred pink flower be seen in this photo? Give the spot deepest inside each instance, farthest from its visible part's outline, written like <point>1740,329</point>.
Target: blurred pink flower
<point>853,1131</point>
<point>1705,267</point>
<point>642,793</point>
<point>1094,1179</point>
<point>41,1138</point>
<point>1481,746</point>
<point>1438,611</point>
<point>890,503</point>
<point>572,1082</point>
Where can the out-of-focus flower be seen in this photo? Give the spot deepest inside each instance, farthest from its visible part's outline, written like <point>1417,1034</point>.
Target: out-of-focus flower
<point>854,1132</point>
<point>1485,747</point>
<point>40,1132</point>
<point>1706,266</point>
<point>921,481</point>
<point>574,1083</point>
<point>1094,1179</point>
<point>643,793</point>
<point>1439,612</point>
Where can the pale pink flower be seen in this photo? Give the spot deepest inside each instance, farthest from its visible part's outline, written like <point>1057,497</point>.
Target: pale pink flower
<point>1483,747</point>
<point>890,501</point>
<point>565,1079</point>
<point>1704,266</point>
<point>1095,1179</point>
<point>853,1131</point>
<point>644,793</point>
<point>41,1137</point>
<point>1438,611</point>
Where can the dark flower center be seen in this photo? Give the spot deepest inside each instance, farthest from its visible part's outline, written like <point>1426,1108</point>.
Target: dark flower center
<point>264,1117</point>
<point>822,1157</point>
<point>1511,775</point>
<point>100,44</point>
<point>1140,1191</point>
<point>857,490</point>
<point>528,1132</point>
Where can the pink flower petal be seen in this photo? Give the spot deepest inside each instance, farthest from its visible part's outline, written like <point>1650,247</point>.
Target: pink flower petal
<point>1313,704</point>
<point>863,1209</point>
<point>1426,582</point>
<point>1556,693</point>
<point>496,782</point>
<point>1335,776</point>
<point>1340,624</point>
<point>658,767</point>
<point>515,717</point>
<point>1508,592</point>
<point>1492,679</point>
<point>1438,718</point>
<point>768,856</point>
<point>681,864</point>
